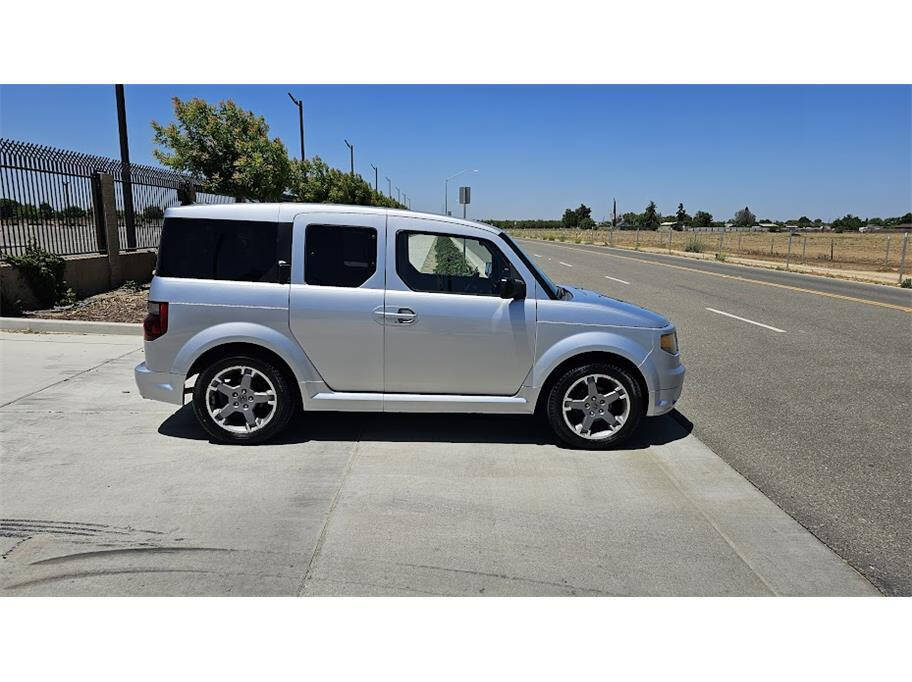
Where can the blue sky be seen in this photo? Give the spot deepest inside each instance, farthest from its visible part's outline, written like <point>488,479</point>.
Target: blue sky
<point>784,151</point>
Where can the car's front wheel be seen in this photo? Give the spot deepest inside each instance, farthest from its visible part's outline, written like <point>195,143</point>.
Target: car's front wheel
<point>242,399</point>
<point>596,406</point>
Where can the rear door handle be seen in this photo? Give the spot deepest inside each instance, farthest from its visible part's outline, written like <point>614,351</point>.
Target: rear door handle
<point>397,315</point>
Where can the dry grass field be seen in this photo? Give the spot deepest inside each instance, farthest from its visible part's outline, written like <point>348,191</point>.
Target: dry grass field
<point>879,251</point>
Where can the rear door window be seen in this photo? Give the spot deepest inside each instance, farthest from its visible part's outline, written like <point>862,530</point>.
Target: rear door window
<point>339,256</point>
<point>238,250</point>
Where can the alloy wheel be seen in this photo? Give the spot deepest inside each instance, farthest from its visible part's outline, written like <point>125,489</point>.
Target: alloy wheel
<point>596,406</point>
<point>241,399</point>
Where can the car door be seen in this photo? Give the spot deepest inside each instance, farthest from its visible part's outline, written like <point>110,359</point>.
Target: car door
<point>447,330</point>
<point>336,295</point>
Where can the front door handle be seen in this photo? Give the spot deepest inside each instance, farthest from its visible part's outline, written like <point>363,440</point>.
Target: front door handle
<point>404,316</point>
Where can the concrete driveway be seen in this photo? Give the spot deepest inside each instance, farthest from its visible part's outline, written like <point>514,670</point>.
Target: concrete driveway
<point>103,493</point>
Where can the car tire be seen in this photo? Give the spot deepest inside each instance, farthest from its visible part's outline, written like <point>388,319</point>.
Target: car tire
<point>610,379</point>
<point>230,422</point>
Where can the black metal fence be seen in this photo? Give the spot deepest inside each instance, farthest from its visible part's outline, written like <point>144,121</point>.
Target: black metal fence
<point>52,197</point>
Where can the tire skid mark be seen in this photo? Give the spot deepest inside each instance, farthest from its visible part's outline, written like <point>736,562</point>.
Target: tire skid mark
<point>69,527</point>
<point>124,551</point>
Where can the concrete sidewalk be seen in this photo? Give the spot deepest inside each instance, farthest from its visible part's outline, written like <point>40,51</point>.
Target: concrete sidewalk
<point>102,493</point>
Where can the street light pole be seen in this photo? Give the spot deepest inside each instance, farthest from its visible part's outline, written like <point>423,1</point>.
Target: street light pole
<point>375,178</point>
<point>129,217</point>
<point>389,188</point>
<point>397,195</point>
<point>351,151</point>
<point>446,188</point>
<point>300,105</point>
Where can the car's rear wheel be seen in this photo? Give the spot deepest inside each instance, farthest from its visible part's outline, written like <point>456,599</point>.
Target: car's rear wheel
<point>242,399</point>
<point>596,406</point>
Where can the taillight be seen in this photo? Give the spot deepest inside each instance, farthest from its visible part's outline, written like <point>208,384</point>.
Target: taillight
<point>156,322</point>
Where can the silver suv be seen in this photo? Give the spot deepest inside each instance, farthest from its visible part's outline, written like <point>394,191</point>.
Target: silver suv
<point>274,308</point>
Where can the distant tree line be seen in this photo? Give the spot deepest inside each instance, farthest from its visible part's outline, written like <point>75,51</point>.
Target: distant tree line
<point>650,219</point>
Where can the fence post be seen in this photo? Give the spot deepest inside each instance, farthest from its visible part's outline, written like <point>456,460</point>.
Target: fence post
<point>772,239</point>
<point>721,237</point>
<point>887,254</point>
<point>832,246</point>
<point>638,237</point>
<point>98,212</point>
<point>804,248</point>
<point>669,240</point>
<point>788,255</point>
<point>610,242</point>
<point>740,235</point>
<point>902,258</point>
<point>111,233</point>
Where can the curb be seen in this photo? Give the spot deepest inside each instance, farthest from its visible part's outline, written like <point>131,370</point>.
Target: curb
<point>69,326</point>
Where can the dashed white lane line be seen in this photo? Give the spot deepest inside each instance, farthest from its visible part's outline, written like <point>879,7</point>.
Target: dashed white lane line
<point>537,255</point>
<point>563,263</point>
<point>616,279</point>
<point>744,319</point>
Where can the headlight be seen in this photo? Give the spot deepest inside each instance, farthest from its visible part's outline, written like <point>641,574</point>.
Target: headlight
<point>669,342</point>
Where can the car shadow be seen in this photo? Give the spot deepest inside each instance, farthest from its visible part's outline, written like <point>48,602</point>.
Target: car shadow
<point>432,428</point>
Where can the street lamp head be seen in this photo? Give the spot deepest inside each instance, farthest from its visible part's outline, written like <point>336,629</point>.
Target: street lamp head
<point>296,101</point>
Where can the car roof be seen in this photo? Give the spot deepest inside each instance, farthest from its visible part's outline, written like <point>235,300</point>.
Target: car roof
<point>285,212</point>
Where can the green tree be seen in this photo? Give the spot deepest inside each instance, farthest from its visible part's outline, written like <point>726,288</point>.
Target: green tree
<point>45,210</point>
<point>744,218</point>
<point>680,214</point>
<point>153,213</point>
<point>314,181</point>
<point>448,260</point>
<point>847,222</point>
<point>804,221</point>
<point>8,208</point>
<point>226,147</point>
<point>702,219</point>
<point>651,217</point>
<point>570,218</point>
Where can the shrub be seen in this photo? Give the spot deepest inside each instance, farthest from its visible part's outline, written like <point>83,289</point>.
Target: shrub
<point>44,273</point>
<point>720,256</point>
<point>906,283</point>
<point>693,245</point>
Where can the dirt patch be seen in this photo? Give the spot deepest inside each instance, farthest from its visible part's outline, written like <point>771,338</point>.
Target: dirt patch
<point>126,304</point>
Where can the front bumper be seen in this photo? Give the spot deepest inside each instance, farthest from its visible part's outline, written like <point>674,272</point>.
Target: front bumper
<point>168,388</point>
<point>671,386</point>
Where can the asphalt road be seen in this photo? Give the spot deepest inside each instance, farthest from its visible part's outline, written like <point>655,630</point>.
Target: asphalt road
<point>813,408</point>
<point>103,493</point>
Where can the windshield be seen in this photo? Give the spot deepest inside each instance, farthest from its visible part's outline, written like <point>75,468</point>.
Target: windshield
<point>550,287</point>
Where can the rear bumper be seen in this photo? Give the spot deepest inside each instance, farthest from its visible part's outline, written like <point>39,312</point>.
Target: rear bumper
<point>168,388</point>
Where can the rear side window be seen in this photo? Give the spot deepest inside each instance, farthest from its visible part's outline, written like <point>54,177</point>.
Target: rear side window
<point>339,256</point>
<point>239,250</point>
